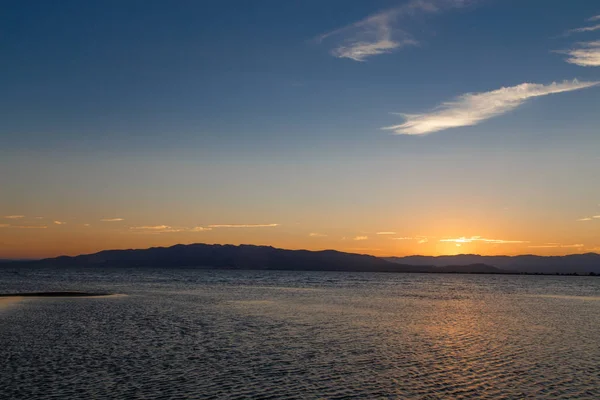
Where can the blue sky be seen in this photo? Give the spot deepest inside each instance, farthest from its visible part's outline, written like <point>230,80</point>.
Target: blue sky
<point>272,112</point>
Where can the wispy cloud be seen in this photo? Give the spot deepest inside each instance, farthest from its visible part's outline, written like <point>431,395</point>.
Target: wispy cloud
<point>86,225</point>
<point>472,108</point>
<point>29,226</point>
<point>112,219</point>
<point>155,229</point>
<point>419,238</point>
<point>557,246</point>
<point>583,29</point>
<point>481,239</point>
<point>585,54</point>
<point>200,229</point>
<point>314,234</point>
<point>595,18</point>
<point>386,233</point>
<point>243,226</point>
<point>4,225</point>
<point>14,216</point>
<point>361,238</point>
<point>152,228</point>
<point>585,219</point>
<point>381,33</point>
<point>59,222</point>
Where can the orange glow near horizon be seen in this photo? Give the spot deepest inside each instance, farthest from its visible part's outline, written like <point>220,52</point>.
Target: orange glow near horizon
<point>40,238</point>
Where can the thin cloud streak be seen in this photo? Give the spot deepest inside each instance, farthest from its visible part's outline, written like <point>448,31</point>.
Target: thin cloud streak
<point>473,108</point>
<point>481,239</point>
<point>243,226</point>
<point>385,233</point>
<point>14,216</point>
<point>557,246</point>
<point>4,225</point>
<point>361,238</point>
<point>29,226</point>
<point>587,54</point>
<point>59,222</point>
<point>380,34</point>
<point>596,18</point>
<point>112,219</point>
<point>314,234</point>
<point>584,29</point>
<point>156,227</point>
<point>585,219</point>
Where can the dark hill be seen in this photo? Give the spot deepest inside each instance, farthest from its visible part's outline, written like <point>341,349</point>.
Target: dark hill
<point>246,257</point>
<point>581,264</point>
<point>231,257</point>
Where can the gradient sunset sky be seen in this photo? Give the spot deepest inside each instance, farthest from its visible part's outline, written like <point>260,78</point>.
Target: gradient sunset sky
<point>380,127</point>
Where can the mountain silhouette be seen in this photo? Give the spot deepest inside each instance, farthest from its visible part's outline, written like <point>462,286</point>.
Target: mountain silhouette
<point>246,257</point>
<point>569,264</point>
<point>216,256</point>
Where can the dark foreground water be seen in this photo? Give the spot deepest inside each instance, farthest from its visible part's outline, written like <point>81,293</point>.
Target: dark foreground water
<point>304,335</point>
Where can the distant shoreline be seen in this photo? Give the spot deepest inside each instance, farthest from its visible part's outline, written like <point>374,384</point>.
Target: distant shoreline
<point>56,294</point>
<point>204,268</point>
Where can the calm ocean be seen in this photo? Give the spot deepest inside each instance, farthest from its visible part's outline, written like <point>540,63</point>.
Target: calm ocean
<point>207,334</point>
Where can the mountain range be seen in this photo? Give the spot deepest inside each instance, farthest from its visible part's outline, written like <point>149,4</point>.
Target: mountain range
<point>271,258</point>
<point>569,264</point>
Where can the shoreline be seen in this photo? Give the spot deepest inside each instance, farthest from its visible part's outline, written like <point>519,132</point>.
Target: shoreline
<point>56,294</point>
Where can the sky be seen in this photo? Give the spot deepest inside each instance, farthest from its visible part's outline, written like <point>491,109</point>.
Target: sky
<point>379,127</point>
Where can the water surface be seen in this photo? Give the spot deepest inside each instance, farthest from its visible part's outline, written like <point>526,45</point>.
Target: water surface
<point>299,335</point>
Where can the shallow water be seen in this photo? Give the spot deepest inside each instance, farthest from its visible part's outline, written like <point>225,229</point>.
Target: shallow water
<point>259,334</point>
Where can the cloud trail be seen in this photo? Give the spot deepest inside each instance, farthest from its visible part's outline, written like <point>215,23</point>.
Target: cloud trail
<point>584,29</point>
<point>151,228</point>
<point>380,33</point>
<point>585,219</point>
<point>481,239</point>
<point>112,219</point>
<point>586,54</point>
<point>243,226</point>
<point>473,108</point>
<point>557,246</point>
<point>14,216</point>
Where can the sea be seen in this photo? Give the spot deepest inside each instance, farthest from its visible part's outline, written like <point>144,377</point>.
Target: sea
<point>217,334</point>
